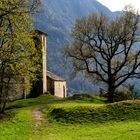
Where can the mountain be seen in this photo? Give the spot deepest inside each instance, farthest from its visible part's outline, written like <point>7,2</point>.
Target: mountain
<point>56,18</point>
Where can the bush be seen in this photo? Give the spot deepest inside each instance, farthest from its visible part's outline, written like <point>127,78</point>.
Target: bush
<point>121,95</point>
<point>130,94</point>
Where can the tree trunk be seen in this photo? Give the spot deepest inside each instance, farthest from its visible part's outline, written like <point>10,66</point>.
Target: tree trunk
<point>3,107</point>
<point>5,97</point>
<point>1,90</point>
<point>24,93</point>
<point>111,91</point>
<point>3,103</point>
<point>0,107</point>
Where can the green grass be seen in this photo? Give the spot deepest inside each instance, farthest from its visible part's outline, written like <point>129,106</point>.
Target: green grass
<point>107,131</point>
<point>44,99</point>
<point>122,111</point>
<point>87,98</point>
<point>83,117</point>
<point>18,126</point>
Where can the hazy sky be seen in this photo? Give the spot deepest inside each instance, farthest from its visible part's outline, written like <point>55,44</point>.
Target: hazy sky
<point>115,5</point>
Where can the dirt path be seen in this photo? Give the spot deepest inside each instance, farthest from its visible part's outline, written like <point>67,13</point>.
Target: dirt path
<point>38,116</point>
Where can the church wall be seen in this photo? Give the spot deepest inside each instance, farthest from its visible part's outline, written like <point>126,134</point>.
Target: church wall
<point>60,88</point>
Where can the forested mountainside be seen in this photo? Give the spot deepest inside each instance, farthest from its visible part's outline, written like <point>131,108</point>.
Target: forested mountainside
<point>56,18</point>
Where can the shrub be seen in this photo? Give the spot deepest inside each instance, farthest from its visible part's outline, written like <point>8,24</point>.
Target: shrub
<point>120,95</point>
<point>130,94</point>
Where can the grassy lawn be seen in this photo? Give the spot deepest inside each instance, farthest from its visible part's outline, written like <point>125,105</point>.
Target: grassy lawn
<point>107,131</point>
<point>18,127</point>
<point>78,118</point>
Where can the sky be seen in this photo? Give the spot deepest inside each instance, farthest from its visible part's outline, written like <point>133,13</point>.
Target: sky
<point>118,5</point>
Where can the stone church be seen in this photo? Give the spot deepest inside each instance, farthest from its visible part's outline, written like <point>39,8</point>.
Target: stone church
<point>51,83</point>
<point>48,82</point>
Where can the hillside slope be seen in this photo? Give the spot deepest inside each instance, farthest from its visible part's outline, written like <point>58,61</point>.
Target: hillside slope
<point>57,17</point>
<point>87,118</point>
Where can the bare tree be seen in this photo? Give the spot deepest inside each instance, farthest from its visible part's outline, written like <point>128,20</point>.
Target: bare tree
<point>107,50</point>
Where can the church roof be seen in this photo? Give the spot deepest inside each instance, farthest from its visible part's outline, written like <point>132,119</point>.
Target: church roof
<point>40,32</point>
<point>54,77</point>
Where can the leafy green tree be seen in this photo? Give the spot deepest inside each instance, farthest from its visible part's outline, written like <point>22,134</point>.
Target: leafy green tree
<point>106,50</point>
<point>18,54</point>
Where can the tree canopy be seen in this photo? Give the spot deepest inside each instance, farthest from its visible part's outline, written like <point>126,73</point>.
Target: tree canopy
<point>18,54</point>
<point>107,50</point>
